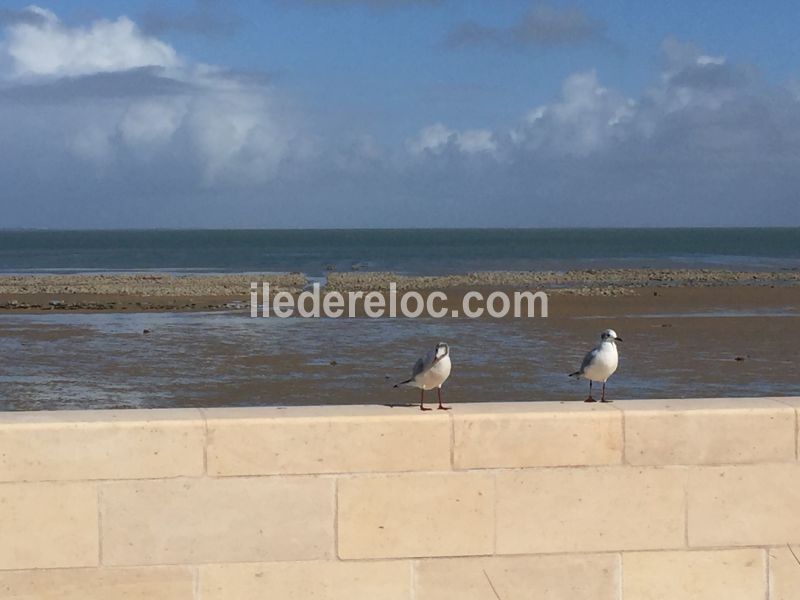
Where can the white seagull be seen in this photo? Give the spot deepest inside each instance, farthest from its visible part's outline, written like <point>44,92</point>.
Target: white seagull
<point>430,373</point>
<point>600,363</point>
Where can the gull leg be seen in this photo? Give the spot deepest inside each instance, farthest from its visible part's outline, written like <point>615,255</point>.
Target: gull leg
<point>439,390</point>
<point>590,399</point>
<point>603,397</point>
<point>422,400</point>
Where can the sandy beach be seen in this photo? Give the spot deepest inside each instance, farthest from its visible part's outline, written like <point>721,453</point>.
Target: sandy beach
<point>153,340</point>
<point>681,343</point>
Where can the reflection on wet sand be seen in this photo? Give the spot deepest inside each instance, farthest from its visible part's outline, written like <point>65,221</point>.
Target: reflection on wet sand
<point>743,345</point>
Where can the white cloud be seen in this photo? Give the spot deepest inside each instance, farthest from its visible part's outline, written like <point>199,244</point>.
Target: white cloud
<point>237,135</point>
<point>234,132</point>
<point>48,47</point>
<point>152,121</point>
<point>586,117</point>
<point>228,129</point>
<point>473,141</point>
<point>126,133</point>
<point>691,79</point>
<point>698,96</point>
<point>437,138</point>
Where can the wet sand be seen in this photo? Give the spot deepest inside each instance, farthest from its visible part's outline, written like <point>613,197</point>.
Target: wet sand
<point>197,359</point>
<point>681,340</point>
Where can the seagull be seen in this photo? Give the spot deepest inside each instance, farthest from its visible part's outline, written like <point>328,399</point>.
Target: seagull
<point>430,373</point>
<point>600,363</point>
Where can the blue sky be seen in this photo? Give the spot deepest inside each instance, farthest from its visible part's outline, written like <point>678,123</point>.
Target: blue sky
<point>399,113</point>
<point>392,64</point>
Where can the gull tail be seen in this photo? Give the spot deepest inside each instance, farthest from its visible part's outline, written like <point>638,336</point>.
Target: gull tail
<point>406,382</point>
<point>575,374</point>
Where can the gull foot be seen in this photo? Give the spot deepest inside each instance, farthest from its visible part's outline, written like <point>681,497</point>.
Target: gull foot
<point>444,408</point>
<point>590,399</point>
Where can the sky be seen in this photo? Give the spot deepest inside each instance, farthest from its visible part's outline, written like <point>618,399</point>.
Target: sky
<point>399,113</point>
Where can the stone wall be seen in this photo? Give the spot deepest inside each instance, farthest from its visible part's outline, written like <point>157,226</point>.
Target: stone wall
<point>655,500</point>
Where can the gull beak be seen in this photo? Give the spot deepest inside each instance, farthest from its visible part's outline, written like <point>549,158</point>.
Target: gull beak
<point>619,339</point>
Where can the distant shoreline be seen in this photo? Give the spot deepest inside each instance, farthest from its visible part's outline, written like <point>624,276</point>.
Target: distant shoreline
<point>197,292</point>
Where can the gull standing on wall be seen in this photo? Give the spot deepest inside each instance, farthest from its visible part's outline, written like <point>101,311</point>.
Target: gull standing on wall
<point>429,373</point>
<point>600,363</point>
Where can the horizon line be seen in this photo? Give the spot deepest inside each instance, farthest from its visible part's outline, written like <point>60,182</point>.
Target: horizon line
<point>254,229</point>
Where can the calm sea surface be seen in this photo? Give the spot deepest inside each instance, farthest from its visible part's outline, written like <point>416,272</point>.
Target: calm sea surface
<point>404,251</point>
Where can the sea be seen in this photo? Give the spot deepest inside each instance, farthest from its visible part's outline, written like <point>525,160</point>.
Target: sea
<point>403,251</point>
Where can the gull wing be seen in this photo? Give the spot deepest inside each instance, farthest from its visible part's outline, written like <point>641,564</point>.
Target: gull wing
<point>419,367</point>
<point>423,364</point>
<point>588,359</point>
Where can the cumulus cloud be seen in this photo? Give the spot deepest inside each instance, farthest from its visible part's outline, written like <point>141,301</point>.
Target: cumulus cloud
<point>121,101</point>
<point>437,139</point>
<point>698,97</point>
<point>238,135</point>
<point>47,47</point>
<point>543,25</point>
<point>102,130</point>
<point>709,142</point>
<point>152,121</point>
<point>586,118</point>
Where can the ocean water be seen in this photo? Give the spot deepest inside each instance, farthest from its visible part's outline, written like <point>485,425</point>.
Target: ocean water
<point>405,251</point>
